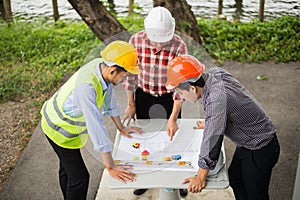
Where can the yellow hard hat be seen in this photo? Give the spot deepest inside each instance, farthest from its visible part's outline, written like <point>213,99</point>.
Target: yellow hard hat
<point>123,54</point>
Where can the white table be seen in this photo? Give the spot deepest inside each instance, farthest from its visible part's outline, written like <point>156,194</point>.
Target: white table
<point>162,178</point>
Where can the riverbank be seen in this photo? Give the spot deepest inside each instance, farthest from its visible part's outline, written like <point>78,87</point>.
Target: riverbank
<point>245,11</point>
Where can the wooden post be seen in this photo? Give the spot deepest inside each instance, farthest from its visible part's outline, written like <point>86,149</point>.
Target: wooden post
<point>7,11</point>
<point>55,10</point>
<point>261,10</point>
<point>2,10</point>
<point>130,7</point>
<point>220,6</point>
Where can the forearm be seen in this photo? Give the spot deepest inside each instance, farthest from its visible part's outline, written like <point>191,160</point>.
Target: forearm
<point>117,122</point>
<point>130,97</point>
<point>202,174</point>
<point>176,110</point>
<point>108,161</point>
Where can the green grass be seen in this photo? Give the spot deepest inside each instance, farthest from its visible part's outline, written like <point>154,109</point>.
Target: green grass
<point>35,56</point>
<point>277,40</point>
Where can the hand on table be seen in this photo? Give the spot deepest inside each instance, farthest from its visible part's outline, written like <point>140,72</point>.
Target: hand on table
<point>131,129</point>
<point>122,173</point>
<point>199,125</point>
<point>195,184</point>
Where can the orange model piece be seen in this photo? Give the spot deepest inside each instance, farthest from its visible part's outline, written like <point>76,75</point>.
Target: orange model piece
<point>181,163</point>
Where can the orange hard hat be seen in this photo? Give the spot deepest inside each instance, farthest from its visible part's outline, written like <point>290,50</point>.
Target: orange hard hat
<point>183,68</point>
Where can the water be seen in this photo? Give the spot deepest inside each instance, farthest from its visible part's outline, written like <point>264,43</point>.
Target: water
<point>248,10</point>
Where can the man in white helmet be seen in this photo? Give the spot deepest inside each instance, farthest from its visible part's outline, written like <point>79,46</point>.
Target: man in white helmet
<point>146,92</point>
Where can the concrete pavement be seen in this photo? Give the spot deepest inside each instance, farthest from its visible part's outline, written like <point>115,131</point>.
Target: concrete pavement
<point>35,176</point>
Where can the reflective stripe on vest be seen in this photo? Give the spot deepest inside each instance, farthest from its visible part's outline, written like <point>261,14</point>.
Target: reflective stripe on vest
<point>65,131</point>
<point>61,115</point>
<point>60,129</point>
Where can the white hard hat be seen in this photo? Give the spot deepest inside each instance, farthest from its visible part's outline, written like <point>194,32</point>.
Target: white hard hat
<point>159,25</point>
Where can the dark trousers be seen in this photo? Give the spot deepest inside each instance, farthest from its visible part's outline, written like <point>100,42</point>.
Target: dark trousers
<point>73,174</point>
<point>250,171</point>
<point>151,107</point>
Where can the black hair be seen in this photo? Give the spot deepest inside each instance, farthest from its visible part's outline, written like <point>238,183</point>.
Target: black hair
<point>186,85</point>
<point>118,68</point>
<point>200,82</point>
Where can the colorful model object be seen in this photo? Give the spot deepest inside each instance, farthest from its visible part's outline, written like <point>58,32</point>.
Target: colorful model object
<point>145,155</point>
<point>167,159</point>
<point>136,145</point>
<point>176,157</point>
<point>117,162</point>
<point>148,162</point>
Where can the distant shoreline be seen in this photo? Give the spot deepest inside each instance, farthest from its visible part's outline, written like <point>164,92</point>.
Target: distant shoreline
<point>202,8</point>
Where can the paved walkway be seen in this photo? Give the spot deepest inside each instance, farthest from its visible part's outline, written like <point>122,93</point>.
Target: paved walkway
<point>35,176</point>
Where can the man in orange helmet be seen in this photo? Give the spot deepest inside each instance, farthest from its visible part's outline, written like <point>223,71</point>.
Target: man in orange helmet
<point>232,111</point>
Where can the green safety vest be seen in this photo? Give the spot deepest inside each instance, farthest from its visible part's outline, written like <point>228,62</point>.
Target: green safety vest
<point>66,131</point>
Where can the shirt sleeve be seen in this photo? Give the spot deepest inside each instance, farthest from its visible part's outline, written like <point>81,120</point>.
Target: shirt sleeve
<point>130,80</point>
<point>110,105</point>
<point>85,99</point>
<point>182,48</point>
<point>215,124</point>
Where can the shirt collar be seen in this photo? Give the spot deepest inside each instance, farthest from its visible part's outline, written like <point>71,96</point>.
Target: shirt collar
<point>207,78</point>
<point>99,75</point>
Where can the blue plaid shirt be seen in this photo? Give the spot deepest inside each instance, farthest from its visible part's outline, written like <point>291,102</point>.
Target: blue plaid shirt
<point>231,110</point>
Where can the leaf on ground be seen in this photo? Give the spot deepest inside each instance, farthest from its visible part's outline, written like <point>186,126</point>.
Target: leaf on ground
<point>262,77</point>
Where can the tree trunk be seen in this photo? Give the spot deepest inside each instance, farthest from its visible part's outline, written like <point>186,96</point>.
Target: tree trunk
<point>220,6</point>
<point>261,10</point>
<point>106,27</point>
<point>55,10</point>
<point>185,19</point>
<point>7,11</point>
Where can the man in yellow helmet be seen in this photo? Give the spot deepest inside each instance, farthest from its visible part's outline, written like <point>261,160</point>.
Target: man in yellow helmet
<point>73,114</point>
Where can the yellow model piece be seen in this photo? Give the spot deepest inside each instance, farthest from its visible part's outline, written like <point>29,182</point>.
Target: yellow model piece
<point>117,162</point>
<point>167,159</point>
<point>148,162</point>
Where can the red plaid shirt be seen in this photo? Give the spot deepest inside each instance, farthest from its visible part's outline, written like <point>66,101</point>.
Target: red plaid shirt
<point>153,64</point>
